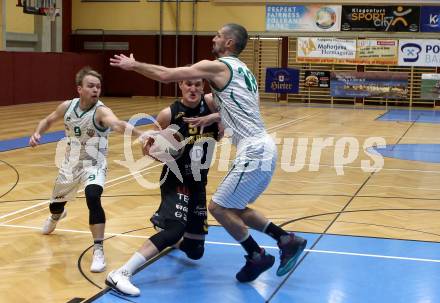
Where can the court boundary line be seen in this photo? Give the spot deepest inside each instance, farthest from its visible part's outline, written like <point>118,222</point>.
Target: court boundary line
<point>264,246</point>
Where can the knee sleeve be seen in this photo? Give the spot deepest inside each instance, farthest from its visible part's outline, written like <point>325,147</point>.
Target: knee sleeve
<point>169,236</point>
<point>193,248</point>
<point>93,198</point>
<point>57,207</point>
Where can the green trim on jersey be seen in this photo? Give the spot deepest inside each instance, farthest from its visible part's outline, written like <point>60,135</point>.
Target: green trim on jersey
<point>238,104</point>
<point>70,104</point>
<point>77,105</point>
<point>230,77</point>
<point>95,124</point>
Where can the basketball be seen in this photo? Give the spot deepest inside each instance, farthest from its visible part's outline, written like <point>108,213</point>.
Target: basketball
<point>164,145</point>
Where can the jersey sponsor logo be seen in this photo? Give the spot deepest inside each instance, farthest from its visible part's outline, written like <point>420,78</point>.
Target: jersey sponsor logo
<point>90,132</point>
<point>182,208</point>
<point>179,115</point>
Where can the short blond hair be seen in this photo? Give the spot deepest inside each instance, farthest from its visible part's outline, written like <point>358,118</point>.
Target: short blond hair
<point>86,71</point>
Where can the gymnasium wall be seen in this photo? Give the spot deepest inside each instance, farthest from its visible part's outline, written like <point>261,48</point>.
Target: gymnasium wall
<point>138,23</point>
<point>145,49</point>
<point>1,24</point>
<point>144,16</point>
<point>16,20</point>
<point>27,77</point>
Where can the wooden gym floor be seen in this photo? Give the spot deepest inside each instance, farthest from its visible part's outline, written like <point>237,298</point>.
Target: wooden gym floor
<point>398,201</point>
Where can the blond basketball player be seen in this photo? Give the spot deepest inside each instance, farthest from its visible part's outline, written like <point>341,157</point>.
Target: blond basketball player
<point>236,93</point>
<point>87,124</point>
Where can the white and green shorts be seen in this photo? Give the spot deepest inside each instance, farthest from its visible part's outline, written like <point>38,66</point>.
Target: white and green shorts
<point>68,181</point>
<point>249,175</point>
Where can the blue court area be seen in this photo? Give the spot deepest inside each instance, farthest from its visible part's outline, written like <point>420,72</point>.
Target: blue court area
<point>337,269</point>
<point>49,137</point>
<point>414,152</point>
<point>415,115</point>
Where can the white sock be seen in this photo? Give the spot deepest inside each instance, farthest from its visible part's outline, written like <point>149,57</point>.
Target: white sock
<point>136,261</point>
<point>98,246</point>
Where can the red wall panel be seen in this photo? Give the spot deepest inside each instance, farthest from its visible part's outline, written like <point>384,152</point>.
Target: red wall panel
<point>7,79</point>
<point>27,77</point>
<point>38,77</point>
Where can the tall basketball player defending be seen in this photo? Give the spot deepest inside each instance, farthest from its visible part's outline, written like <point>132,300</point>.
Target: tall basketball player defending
<point>236,93</point>
<point>87,123</point>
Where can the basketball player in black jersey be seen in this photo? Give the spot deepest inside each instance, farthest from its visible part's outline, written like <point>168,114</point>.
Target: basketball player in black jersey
<point>182,213</point>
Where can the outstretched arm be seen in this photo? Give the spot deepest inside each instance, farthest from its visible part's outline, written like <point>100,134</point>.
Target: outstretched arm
<point>106,118</point>
<point>206,120</point>
<point>213,71</point>
<point>47,122</point>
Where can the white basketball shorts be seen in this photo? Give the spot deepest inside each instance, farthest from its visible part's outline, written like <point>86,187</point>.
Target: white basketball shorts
<point>249,175</point>
<point>68,181</point>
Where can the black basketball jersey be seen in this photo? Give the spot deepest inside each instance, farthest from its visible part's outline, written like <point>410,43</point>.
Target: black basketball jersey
<point>192,134</point>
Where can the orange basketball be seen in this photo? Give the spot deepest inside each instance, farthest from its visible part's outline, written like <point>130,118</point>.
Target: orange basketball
<point>165,145</point>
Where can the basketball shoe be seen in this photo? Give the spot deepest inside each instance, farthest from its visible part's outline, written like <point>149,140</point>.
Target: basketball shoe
<point>50,224</point>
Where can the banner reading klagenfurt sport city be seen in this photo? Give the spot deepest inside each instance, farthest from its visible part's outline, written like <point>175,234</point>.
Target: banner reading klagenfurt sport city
<point>430,89</point>
<point>325,50</point>
<point>419,52</point>
<point>377,52</point>
<point>303,18</point>
<point>380,18</point>
<point>369,84</point>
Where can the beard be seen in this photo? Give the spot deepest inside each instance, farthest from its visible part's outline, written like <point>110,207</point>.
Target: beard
<point>217,50</point>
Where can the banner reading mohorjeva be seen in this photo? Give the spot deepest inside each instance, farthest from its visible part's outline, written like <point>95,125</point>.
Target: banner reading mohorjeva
<point>325,50</point>
<point>303,18</point>
<point>369,84</point>
<point>380,18</point>
<point>419,52</point>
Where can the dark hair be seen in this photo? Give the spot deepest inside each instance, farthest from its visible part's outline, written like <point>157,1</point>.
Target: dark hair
<point>240,36</point>
<point>86,71</point>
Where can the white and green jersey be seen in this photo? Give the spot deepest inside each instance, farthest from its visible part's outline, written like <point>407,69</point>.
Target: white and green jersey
<point>87,140</point>
<point>239,102</point>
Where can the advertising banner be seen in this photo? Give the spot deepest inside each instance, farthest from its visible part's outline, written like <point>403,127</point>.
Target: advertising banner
<point>282,80</point>
<point>419,52</point>
<point>317,79</point>
<point>325,50</point>
<point>380,18</point>
<point>430,19</point>
<point>430,86</point>
<point>303,18</point>
<point>377,52</point>
<point>369,84</point>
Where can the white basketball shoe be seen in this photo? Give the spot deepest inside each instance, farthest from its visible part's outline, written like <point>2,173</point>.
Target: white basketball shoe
<point>98,262</point>
<point>120,282</point>
<point>50,224</point>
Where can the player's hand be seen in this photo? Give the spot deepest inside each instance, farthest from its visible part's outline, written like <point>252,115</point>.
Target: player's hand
<point>147,139</point>
<point>34,140</point>
<point>201,122</point>
<point>122,61</point>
